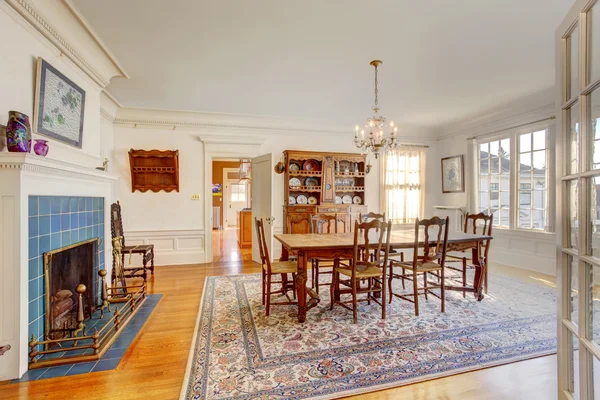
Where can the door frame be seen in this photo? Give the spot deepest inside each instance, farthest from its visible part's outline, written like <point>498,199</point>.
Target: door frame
<point>225,194</point>
<point>576,18</point>
<point>221,146</point>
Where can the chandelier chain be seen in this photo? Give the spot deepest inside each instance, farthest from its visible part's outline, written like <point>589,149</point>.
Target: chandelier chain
<point>376,88</point>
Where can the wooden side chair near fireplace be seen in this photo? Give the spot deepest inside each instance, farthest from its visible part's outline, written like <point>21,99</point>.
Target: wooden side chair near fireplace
<point>146,250</point>
<point>476,224</point>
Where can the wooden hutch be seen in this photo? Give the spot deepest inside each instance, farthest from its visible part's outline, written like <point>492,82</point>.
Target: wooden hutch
<point>323,183</point>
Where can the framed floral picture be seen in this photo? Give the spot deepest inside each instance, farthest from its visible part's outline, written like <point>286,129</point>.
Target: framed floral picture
<point>59,106</point>
<point>453,174</point>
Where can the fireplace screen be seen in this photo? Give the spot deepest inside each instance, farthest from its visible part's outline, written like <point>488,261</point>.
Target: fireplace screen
<point>64,270</point>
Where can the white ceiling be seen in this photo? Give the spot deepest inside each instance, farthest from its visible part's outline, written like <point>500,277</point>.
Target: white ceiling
<point>444,61</point>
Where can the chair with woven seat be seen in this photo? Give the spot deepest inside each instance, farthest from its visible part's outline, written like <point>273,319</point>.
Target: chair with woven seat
<point>431,261</point>
<point>381,217</point>
<point>474,223</point>
<point>146,250</point>
<point>322,223</point>
<point>270,268</point>
<point>376,235</point>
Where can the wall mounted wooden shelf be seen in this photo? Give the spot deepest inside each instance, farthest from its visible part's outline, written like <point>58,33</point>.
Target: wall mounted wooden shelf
<point>154,170</point>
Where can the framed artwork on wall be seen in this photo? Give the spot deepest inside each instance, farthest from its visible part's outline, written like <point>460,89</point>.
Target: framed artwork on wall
<point>59,106</point>
<point>453,174</point>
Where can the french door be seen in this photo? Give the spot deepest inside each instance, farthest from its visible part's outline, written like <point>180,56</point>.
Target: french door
<point>578,201</point>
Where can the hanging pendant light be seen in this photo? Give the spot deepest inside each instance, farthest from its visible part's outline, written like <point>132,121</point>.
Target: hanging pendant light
<point>377,136</point>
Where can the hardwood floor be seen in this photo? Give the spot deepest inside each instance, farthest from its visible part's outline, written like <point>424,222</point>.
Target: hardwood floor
<point>154,366</point>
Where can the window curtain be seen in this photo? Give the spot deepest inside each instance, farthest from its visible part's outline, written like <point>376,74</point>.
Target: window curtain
<point>403,178</point>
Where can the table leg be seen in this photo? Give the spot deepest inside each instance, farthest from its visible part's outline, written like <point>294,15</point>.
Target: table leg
<point>480,272</point>
<point>301,285</point>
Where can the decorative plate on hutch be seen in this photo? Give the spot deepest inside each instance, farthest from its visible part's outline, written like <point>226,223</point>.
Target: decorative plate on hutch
<point>311,182</point>
<point>312,200</point>
<point>338,200</point>
<point>294,166</point>
<point>356,200</point>
<point>301,199</point>
<point>291,200</point>
<point>347,199</point>
<point>310,165</point>
<point>295,182</point>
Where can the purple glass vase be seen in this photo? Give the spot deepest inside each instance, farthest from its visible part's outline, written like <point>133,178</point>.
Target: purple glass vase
<point>18,133</point>
<point>41,147</point>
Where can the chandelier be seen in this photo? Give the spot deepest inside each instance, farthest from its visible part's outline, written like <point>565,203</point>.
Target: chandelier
<point>381,137</point>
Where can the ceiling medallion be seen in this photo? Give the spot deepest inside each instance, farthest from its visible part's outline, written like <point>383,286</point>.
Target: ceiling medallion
<point>381,137</point>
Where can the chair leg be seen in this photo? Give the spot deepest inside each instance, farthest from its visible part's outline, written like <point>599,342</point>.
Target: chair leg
<point>294,285</point>
<point>390,283</point>
<point>144,262</point>
<point>332,288</point>
<point>383,294</point>
<point>425,284</point>
<point>370,287</point>
<point>263,286</point>
<point>268,306</point>
<point>316,276</point>
<point>443,290</point>
<point>415,293</point>
<point>464,275</point>
<point>485,278</point>
<point>354,306</point>
<point>152,260</point>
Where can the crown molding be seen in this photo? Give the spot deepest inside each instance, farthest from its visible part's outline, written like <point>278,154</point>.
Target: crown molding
<point>505,118</point>
<point>234,124</point>
<point>97,62</point>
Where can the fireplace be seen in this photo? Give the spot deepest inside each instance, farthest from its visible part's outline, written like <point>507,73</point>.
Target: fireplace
<point>65,270</point>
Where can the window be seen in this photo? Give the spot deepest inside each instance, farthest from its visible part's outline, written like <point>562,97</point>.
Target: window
<point>520,201</point>
<point>494,180</point>
<point>532,180</point>
<point>238,192</point>
<point>402,185</point>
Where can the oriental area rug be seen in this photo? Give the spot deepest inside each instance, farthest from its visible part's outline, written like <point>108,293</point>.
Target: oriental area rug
<point>239,353</point>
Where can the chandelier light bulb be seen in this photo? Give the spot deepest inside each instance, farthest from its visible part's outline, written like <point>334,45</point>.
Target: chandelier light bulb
<point>392,124</point>
<point>356,128</point>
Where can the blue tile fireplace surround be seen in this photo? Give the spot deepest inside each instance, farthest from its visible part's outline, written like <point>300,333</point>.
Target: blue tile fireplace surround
<point>55,222</point>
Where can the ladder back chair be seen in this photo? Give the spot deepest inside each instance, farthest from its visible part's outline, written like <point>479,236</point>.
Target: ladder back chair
<point>270,268</point>
<point>374,234</point>
<point>431,261</point>
<point>381,217</point>
<point>477,224</point>
<point>322,223</point>
<point>146,250</point>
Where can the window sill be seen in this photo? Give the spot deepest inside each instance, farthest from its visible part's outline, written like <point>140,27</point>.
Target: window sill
<point>523,233</point>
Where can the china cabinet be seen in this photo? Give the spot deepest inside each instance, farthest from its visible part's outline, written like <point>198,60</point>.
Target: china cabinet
<point>323,183</point>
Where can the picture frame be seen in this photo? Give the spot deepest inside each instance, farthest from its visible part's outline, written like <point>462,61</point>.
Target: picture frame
<point>59,106</point>
<point>453,174</point>
<point>217,189</point>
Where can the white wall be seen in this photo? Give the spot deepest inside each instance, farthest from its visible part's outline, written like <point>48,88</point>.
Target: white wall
<point>519,248</point>
<point>167,217</point>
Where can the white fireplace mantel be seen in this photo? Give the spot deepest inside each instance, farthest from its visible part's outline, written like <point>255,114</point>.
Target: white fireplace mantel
<point>21,176</point>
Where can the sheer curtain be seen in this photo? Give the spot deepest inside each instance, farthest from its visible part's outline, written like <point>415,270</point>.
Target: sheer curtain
<point>403,180</point>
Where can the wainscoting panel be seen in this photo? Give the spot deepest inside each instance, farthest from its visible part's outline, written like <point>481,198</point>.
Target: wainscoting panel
<point>171,247</point>
<point>534,251</point>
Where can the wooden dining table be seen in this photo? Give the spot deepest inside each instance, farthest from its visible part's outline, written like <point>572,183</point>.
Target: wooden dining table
<point>340,245</point>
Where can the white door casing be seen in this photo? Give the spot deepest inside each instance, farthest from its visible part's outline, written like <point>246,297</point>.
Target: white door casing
<point>262,207</point>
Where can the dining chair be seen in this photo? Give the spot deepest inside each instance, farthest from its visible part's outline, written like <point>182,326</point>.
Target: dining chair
<point>474,223</point>
<point>374,234</point>
<point>322,223</point>
<point>381,217</point>
<point>432,260</point>
<point>270,268</point>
